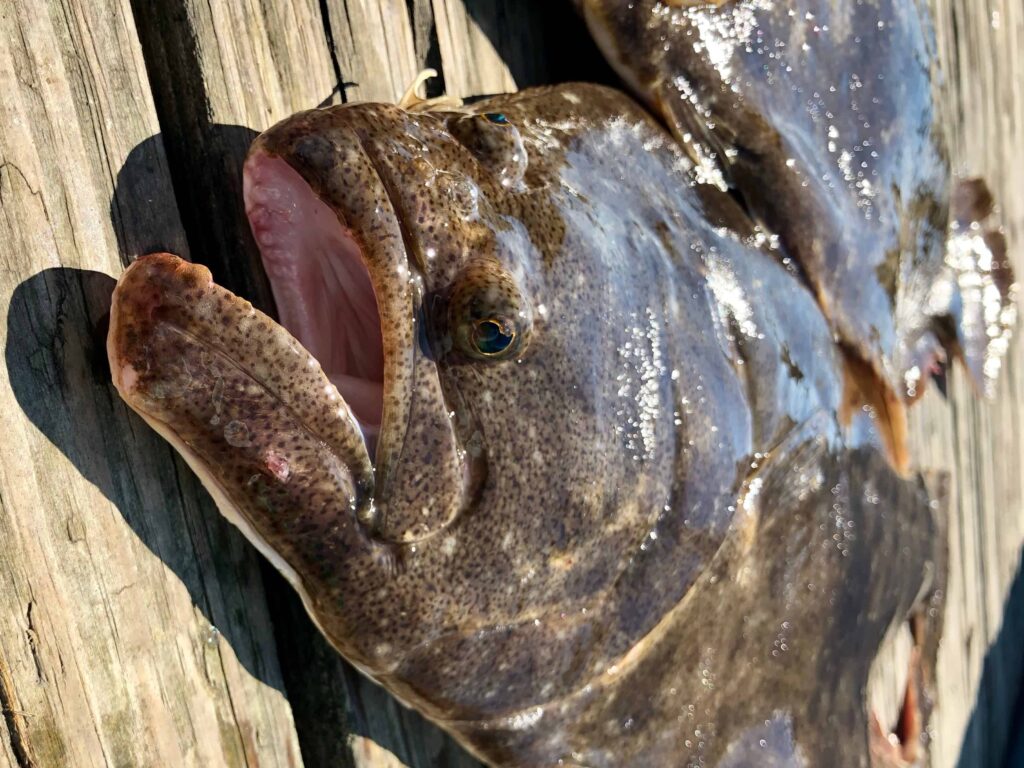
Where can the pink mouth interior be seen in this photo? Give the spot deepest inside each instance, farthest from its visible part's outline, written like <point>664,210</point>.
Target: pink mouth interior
<point>320,282</point>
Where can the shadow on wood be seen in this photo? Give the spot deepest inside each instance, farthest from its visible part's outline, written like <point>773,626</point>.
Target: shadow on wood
<point>541,42</point>
<point>58,361</point>
<point>990,731</point>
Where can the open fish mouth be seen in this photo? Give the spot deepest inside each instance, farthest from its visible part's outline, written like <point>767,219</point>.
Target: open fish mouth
<point>242,401</point>
<point>347,290</point>
<point>328,208</point>
<point>271,413</point>
<point>178,342</point>
<point>335,254</point>
<point>321,284</point>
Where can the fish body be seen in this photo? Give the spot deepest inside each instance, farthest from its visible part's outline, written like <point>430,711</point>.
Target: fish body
<point>553,448</point>
<point>823,117</point>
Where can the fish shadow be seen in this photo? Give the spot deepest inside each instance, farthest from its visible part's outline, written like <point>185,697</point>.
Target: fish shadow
<point>56,363</point>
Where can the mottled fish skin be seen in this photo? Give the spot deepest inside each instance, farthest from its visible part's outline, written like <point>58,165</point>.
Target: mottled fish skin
<point>250,411</point>
<point>642,538</point>
<point>821,115</point>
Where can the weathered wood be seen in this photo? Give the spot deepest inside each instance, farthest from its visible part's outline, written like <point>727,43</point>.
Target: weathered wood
<point>133,628</point>
<point>115,567</point>
<point>373,46</point>
<point>980,660</point>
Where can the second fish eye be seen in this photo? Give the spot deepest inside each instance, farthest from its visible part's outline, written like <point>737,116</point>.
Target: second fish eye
<point>498,118</point>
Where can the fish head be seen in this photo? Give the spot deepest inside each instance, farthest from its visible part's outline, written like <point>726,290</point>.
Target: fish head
<point>438,291</point>
<point>476,376</point>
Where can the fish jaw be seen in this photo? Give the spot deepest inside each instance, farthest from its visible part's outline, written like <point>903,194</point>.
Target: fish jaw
<point>316,167</point>
<point>254,416</point>
<point>327,211</point>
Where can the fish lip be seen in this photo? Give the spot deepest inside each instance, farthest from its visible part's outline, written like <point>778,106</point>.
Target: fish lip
<point>277,143</point>
<point>163,293</point>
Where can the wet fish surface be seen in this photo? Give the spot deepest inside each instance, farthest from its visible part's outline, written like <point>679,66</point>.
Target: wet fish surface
<point>554,437</point>
<point>821,115</point>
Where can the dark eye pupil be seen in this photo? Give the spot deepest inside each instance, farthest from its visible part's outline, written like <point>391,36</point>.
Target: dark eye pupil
<point>491,338</point>
<point>497,118</point>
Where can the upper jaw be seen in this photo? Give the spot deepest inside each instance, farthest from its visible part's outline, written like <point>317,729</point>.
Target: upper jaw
<point>338,162</point>
<point>322,215</point>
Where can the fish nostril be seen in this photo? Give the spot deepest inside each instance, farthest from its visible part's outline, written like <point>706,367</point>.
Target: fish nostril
<point>277,465</point>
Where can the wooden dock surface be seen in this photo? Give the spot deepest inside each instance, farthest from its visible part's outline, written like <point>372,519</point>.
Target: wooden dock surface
<point>137,628</point>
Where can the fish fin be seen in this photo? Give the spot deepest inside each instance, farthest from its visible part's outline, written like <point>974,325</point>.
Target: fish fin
<point>863,387</point>
<point>411,100</point>
<point>705,146</point>
<point>983,308</point>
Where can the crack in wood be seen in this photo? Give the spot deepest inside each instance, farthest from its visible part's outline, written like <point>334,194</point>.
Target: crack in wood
<point>10,166</point>
<point>33,644</point>
<point>14,718</point>
<point>339,80</point>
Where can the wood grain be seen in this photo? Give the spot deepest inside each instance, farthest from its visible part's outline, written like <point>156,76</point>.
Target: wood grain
<point>981,661</point>
<point>133,627</point>
<point>136,628</point>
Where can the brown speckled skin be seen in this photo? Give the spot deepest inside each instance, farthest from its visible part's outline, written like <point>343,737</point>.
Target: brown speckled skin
<point>821,115</point>
<point>643,538</point>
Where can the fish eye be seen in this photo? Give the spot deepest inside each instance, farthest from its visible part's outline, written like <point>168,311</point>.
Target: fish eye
<point>492,336</point>
<point>484,316</point>
<point>495,142</point>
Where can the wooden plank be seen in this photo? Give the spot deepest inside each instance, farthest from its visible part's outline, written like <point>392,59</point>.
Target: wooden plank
<point>980,661</point>
<point>133,629</point>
